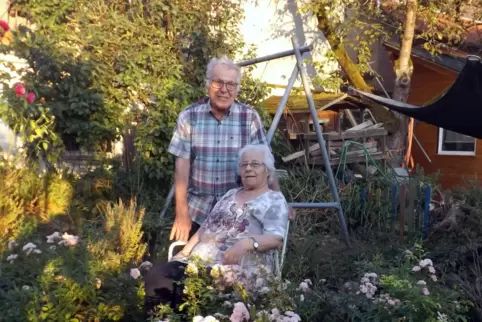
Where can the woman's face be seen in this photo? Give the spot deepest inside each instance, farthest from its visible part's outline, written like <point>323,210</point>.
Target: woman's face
<point>254,173</point>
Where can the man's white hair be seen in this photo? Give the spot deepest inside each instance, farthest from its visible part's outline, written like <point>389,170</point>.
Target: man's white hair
<point>268,158</point>
<point>225,61</point>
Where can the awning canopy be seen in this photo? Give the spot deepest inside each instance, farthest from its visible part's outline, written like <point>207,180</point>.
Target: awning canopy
<point>459,109</point>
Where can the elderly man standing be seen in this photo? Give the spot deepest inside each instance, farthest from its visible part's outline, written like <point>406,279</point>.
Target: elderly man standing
<point>206,141</point>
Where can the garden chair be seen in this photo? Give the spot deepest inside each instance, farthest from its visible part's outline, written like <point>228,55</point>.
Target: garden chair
<point>279,256</point>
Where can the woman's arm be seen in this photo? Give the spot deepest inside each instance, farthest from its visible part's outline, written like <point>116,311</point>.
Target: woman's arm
<point>265,242</point>
<point>192,242</point>
<point>274,221</point>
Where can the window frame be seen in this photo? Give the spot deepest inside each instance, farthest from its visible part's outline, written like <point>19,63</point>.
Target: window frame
<point>440,151</point>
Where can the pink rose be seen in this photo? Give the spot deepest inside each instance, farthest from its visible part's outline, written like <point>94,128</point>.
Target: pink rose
<point>4,25</point>
<point>30,98</point>
<point>20,90</point>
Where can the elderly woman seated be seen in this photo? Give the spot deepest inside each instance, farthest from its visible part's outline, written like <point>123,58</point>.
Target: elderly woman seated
<point>250,220</point>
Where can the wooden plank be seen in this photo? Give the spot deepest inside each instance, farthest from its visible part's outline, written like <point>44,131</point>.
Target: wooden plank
<point>359,152</point>
<point>375,126</point>
<point>339,144</point>
<point>349,159</point>
<point>333,102</point>
<point>348,135</point>
<point>361,126</point>
<point>356,150</point>
<point>410,214</point>
<point>299,154</point>
<point>362,152</point>
<point>348,154</point>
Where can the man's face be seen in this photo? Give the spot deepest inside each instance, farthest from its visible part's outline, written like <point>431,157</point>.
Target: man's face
<point>222,89</point>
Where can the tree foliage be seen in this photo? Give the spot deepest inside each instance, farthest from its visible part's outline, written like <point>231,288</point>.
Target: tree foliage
<point>440,24</point>
<point>101,67</point>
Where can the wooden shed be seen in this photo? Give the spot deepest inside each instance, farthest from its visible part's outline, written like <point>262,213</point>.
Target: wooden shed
<point>455,156</point>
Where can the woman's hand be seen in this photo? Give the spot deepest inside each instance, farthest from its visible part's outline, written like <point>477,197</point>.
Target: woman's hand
<point>235,254</point>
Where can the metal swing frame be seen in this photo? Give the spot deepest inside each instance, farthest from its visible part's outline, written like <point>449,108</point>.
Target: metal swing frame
<point>299,69</point>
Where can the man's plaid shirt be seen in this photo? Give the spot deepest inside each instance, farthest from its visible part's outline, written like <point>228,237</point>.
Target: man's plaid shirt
<point>212,147</point>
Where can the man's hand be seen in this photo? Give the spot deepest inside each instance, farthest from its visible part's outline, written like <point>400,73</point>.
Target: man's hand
<point>235,254</point>
<point>182,224</point>
<point>291,213</point>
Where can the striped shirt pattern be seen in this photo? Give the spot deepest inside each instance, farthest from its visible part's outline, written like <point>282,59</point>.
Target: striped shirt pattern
<point>212,146</point>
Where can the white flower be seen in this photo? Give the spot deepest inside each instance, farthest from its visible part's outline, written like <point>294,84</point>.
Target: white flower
<point>210,318</point>
<point>29,248</point>
<point>426,262</point>
<point>323,280</point>
<point>433,277</point>
<point>192,269</point>
<point>302,297</point>
<point>308,281</point>
<point>26,288</point>
<point>364,280</point>
<point>303,287</point>
<point>293,317</point>
<point>53,247</point>
<point>421,283</point>
<point>431,270</point>
<point>135,273</point>
<point>442,317</point>
<point>240,313</point>
<point>146,264</point>
<point>12,244</point>
<point>51,238</point>
<point>416,269</point>
<point>69,240</point>
<point>371,275</point>
<point>425,291</point>
<point>227,304</point>
<point>408,252</point>
<point>98,283</point>
<point>12,257</point>
<point>274,315</point>
<point>198,319</point>
<point>264,290</point>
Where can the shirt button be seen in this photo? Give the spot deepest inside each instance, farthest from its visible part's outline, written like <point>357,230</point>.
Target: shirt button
<point>217,179</point>
<point>217,160</point>
<point>219,142</point>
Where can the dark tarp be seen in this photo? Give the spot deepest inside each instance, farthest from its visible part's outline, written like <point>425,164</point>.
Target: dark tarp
<point>458,110</point>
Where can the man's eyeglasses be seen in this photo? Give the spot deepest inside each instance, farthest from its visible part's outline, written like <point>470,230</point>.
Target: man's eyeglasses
<point>218,84</point>
<point>252,164</point>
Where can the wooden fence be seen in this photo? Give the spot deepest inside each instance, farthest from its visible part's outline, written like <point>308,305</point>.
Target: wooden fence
<point>402,207</point>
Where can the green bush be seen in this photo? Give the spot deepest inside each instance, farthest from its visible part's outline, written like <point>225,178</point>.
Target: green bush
<point>89,276</point>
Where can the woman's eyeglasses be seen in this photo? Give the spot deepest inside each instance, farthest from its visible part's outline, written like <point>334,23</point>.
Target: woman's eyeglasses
<point>252,164</point>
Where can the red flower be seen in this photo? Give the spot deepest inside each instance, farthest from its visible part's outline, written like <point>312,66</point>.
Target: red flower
<point>20,90</point>
<point>4,25</point>
<point>30,98</point>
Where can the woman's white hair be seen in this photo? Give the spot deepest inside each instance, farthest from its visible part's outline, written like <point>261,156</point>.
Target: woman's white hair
<point>268,158</point>
<point>225,61</point>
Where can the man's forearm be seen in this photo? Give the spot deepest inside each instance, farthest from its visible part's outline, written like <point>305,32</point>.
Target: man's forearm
<point>181,180</point>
